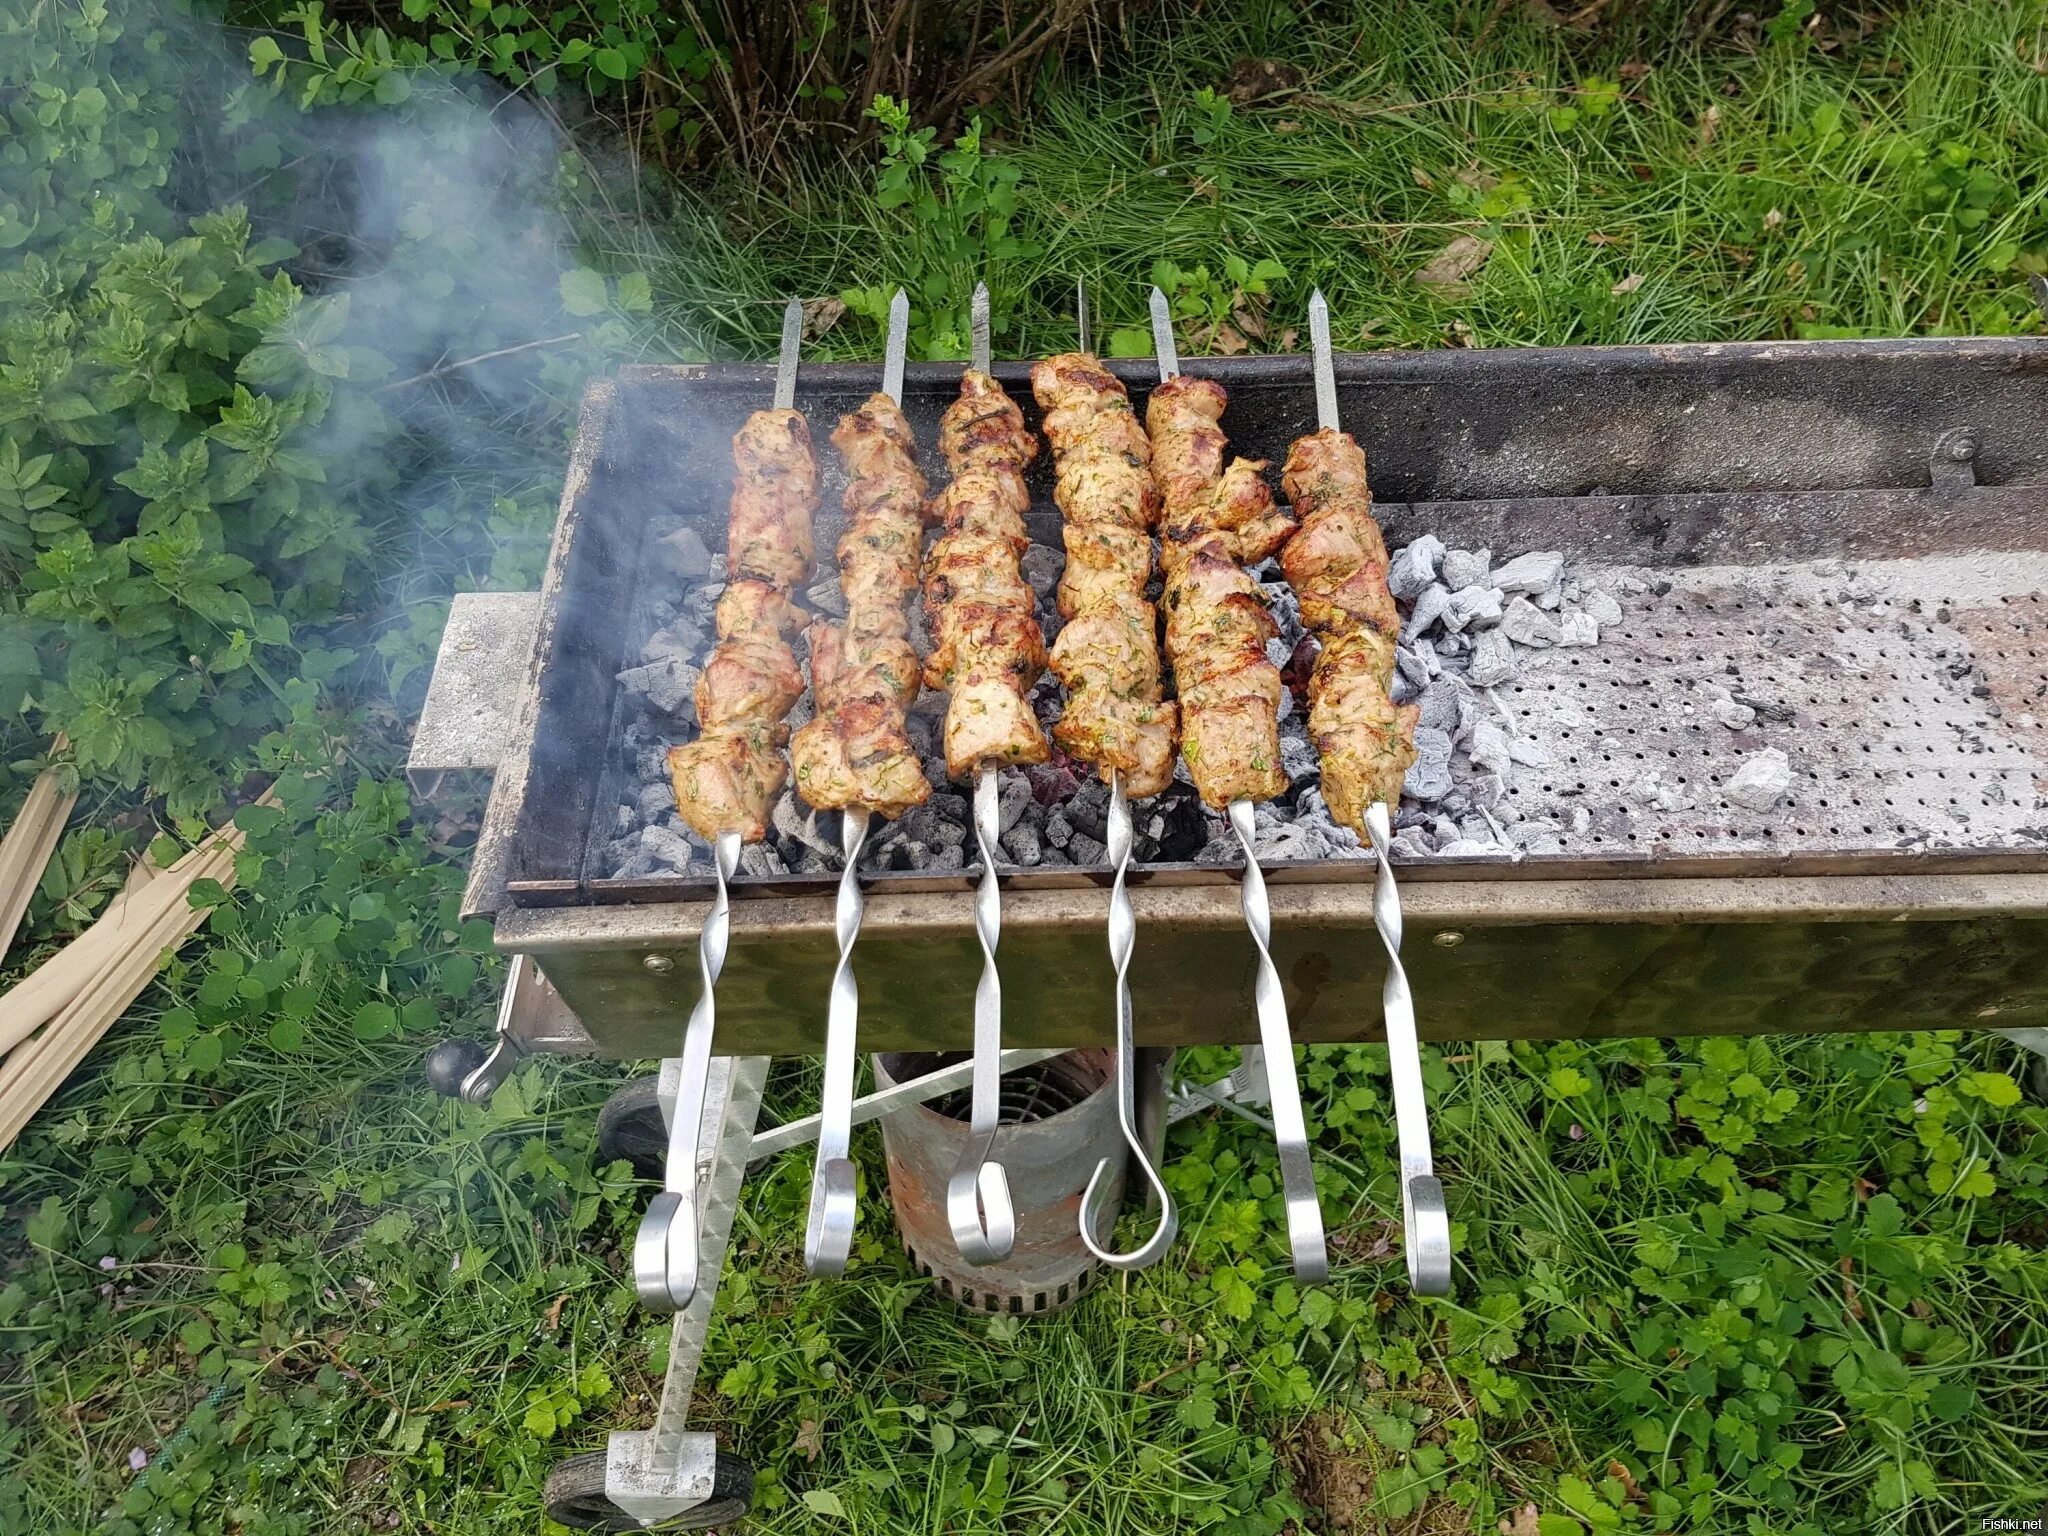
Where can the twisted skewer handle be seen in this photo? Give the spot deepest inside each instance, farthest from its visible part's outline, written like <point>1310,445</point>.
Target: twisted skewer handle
<point>665,1260</point>
<point>828,1233</point>
<point>1426,1224</point>
<point>1290,1125</point>
<point>1123,939</point>
<point>978,1195</point>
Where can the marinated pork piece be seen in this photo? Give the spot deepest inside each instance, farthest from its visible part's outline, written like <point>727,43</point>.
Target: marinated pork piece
<point>1107,656</point>
<point>1337,565</point>
<point>726,780</point>
<point>864,675</point>
<point>987,647</point>
<point>1217,519</point>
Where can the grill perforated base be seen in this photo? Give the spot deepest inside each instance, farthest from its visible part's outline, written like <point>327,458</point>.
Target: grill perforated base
<point>1911,698</point>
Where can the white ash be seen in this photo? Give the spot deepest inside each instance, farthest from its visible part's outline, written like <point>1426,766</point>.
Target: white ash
<point>1761,782</point>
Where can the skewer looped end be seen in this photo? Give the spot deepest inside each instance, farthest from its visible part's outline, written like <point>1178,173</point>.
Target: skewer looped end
<point>1290,1125</point>
<point>1426,1224</point>
<point>828,1230</point>
<point>978,1203</point>
<point>665,1256</point>
<point>1123,936</point>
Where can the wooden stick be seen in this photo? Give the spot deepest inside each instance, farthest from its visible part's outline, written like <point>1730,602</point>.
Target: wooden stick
<point>30,841</point>
<point>38,1068</point>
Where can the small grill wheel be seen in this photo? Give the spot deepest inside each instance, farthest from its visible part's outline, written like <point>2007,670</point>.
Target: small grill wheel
<point>575,1497</point>
<point>630,1127</point>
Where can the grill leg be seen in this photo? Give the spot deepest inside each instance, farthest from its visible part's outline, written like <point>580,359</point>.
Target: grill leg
<point>662,1472</point>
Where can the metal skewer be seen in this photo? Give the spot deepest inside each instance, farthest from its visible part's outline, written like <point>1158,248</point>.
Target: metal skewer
<point>1123,939</point>
<point>828,1233</point>
<point>1276,1039</point>
<point>1426,1225</point>
<point>978,1203</point>
<point>665,1250</point>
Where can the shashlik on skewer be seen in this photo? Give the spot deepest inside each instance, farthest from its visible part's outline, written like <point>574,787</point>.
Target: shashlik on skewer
<point>1115,717</point>
<point>987,648</point>
<point>864,675</point>
<point>1337,565</point>
<point>987,652</point>
<point>1218,519</point>
<point>726,780</point>
<point>854,756</point>
<point>1107,655</point>
<point>1218,516</point>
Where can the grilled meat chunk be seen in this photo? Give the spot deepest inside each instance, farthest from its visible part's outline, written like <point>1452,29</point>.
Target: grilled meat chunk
<point>726,780</point>
<point>1337,564</point>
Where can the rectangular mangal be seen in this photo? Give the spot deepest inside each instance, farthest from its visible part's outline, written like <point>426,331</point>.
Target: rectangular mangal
<point>1857,532</point>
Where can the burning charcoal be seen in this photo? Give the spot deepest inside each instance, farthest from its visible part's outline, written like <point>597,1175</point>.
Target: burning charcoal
<point>911,854</point>
<point>1429,607</point>
<point>1184,827</point>
<point>825,596</point>
<point>683,553</point>
<point>1051,783</point>
<point>1298,761</point>
<point>1780,714</point>
<point>678,640</point>
<point>656,801</point>
<point>1021,842</point>
<point>1493,659</point>
<point>1530,573</point>
<point>1289,840</point>
<point>1414,566</point>
<point>1473,607</point>
<point>1440,707</point>
<point>1526,624</point>
<point>808,862</point>
<point>1054,856</point>
<point>1451,646</point>
<point>802,711</point>
<point>1058,830</point>
<point>1089,810</point>
<point>953,807</point>
<point>1218,850</point>
<point>1578,629</point>
<point>1491,750</point>
<point>1429,778</point>
<point>1603,606</point>
<point>1085,849</point>
<point>668,686</point>
<point>954,857</point>
<point>1737,717</point>
<point>1015,795</point>
<point>1467,568</point>
<point>650,763</point>
<point>1413,844</point>
<point>1041,566</point>
<point>1285,606</point>
<point>1760,783</point>
<point>1472,848</point>
<point>801,829</point>
<point>760,859</point>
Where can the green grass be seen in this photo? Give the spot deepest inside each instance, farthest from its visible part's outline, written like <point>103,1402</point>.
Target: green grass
<point>1789,1286</point>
